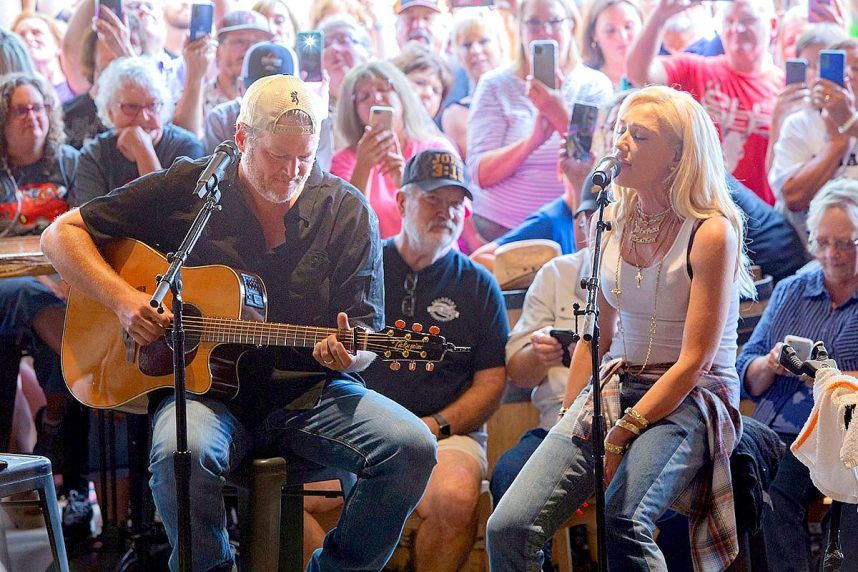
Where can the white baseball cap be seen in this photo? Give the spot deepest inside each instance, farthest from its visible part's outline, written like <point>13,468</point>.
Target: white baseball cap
<point>269,98</point>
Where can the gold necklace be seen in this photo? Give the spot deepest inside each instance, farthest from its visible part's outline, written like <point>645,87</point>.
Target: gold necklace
<point>645,228</point>
<point>653,324</point>
<point>634,250</point>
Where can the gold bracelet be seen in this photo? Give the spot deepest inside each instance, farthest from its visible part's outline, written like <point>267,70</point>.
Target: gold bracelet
<point>562,412</point>
<point>639,419</point>
<point>628,426</point>
<point>615,449</point>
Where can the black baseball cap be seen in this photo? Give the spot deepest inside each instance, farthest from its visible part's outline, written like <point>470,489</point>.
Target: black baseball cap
<point>588,198</point>
<point>268,58</point>
<point>434,168</point>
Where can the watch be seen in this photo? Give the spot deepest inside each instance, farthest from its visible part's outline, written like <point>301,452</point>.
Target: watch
<point>444,430</point>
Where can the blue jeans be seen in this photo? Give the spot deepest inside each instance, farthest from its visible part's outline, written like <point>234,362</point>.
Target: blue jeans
<point>354,429</point>
<point>509,464</point>
<point>558,478</point>
<point>785,524</point>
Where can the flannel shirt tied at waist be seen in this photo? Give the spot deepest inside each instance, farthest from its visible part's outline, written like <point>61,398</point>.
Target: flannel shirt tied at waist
<point>708,500</point>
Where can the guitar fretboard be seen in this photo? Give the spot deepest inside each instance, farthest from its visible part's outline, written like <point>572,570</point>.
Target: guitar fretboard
<point>231,331</point>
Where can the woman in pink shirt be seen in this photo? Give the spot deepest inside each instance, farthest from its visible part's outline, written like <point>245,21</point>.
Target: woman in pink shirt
<point>374,159</point>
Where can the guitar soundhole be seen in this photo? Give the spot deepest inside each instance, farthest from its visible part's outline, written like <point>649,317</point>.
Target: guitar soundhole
<point>156,359</point>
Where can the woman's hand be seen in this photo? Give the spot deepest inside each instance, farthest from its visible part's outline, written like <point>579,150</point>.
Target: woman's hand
<point>549,102</point>
<point>574,169</point>
<point>791,98</point>
<point>114,33</point>
<point>373,146</point>
<point>621,438</point>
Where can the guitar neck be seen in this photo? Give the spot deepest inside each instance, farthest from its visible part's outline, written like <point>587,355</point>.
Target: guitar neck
<point>231,331</point>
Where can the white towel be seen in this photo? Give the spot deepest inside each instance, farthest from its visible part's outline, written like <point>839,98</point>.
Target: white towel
<point>828,449</point>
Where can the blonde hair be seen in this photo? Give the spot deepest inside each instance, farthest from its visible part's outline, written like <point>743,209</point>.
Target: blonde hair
<point>321,9</point>
<point>481,20</point>
<point>417,124</point>
<point>698,185</point>
<point>566,62</point>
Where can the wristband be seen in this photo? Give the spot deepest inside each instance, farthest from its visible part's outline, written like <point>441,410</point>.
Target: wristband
<point>847,125</point>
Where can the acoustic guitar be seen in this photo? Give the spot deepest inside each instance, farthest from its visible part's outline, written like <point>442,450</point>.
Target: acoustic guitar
<point>224,318</point>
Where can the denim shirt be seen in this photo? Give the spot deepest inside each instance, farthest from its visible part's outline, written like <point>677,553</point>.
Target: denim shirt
<point>800,306</point>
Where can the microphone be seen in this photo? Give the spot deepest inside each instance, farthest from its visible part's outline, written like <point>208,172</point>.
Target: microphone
<point>223,157</point>
<point>606,170</point>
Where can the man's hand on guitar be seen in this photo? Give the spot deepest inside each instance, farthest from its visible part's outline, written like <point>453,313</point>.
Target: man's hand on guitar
<point>139,319</point>
<point>330,352</point>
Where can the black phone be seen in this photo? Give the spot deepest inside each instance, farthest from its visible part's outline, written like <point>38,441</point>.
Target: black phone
<point>796,70</point>
<point>308,45</point>
<point>114,5</point>
<point>832,64</point>
<point>565,337</point>
<point>202,18</point>
<point>582,126</point>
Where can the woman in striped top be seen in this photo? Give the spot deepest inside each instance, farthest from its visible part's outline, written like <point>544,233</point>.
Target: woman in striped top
<point>821,304</point>
<point>516,124</point>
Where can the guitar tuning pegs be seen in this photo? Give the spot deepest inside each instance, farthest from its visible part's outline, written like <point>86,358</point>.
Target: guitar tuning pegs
<point>399,323</point>
<point>412,366</point>
<point>434,330</point>
<point>395,366</point>
<point>430,367</point>
<point>417,327</point>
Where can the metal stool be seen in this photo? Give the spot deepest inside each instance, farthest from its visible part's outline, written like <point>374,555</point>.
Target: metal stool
<point>271,509</point>
<point>26,473</point>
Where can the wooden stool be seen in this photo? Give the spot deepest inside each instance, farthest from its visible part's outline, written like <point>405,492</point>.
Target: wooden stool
<point>271,509</point>
<point>26,473</point>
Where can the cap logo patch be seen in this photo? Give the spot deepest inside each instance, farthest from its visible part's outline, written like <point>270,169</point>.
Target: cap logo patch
<point>444,167</point>
<point>271,61</point>
<point>295,97</point>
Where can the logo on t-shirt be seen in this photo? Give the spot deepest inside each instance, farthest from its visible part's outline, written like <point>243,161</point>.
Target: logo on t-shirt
<point>443,310</point>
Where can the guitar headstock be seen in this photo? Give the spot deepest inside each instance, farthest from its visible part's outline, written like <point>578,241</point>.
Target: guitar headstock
<point>397,344</point>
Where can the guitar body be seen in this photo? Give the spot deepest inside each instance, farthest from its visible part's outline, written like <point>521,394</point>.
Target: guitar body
<point>104,368</point>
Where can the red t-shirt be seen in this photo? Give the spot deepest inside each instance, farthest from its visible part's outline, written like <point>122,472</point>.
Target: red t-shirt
<point>741,106</point>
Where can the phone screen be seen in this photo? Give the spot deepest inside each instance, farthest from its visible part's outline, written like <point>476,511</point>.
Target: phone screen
<point>308,45</point>
<point>114,5</point>
<point>582,125</point>
<point>544,61</point>
<point>202,16</point>
<point>796,70</point>
<point>831,65</point>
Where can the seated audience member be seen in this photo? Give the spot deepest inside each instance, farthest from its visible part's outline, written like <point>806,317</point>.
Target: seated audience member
<point>479,45</point>
<point>816,144</point>
<point>796,96</point>
<point>821,304</point>
<point>346,45</point>
<point>37,174</point>
<point>374,159</point>
<point>610,27</point>
<point>14,56</point>
<point>281,20</point>
<point>535,360</point>
<point>443,288</point>
<point>429,75</point>
<point>44,40</point>
<point>134,102</point>
<point>516,123</point>
<point>738,89</point>
<point>238,30</point>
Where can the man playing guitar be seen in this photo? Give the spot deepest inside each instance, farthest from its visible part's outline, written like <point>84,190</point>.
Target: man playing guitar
<point>313,240</point>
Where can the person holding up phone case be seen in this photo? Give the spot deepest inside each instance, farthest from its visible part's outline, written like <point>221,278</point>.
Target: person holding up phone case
<point>516,122</point>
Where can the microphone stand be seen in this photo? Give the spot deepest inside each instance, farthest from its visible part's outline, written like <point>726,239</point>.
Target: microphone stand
<point>171,281</point>
<point>591,334</point>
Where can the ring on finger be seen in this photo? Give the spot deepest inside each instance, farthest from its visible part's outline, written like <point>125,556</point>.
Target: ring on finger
<point>827,98</point>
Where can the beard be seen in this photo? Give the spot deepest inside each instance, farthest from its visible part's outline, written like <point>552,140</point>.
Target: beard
<point>274,190</point>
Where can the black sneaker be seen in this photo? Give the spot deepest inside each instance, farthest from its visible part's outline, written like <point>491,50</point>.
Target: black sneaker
<point>49,441</point>
<point>77,515</point>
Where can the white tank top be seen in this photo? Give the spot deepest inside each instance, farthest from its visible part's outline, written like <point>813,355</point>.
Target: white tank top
<point>673,294</point>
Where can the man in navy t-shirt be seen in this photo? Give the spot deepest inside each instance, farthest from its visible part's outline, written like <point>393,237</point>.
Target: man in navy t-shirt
<point>428,282</point>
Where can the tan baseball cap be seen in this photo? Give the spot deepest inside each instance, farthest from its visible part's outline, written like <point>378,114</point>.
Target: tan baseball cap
<point>270,97</point>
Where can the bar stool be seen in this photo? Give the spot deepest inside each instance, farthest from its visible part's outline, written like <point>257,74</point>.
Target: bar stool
<point>26,473</point>
<point>271,509</point>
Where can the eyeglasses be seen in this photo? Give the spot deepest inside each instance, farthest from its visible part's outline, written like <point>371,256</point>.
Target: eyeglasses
<point>375,92</point>
<point>535,24</point>
<point>839,245</point>
<point>410,300</point>
<point>134,109</point>
<point>22,111</point>
<point>342,41</point>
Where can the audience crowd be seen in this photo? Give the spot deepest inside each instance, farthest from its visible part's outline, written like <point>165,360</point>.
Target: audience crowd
<point>92,99</point>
